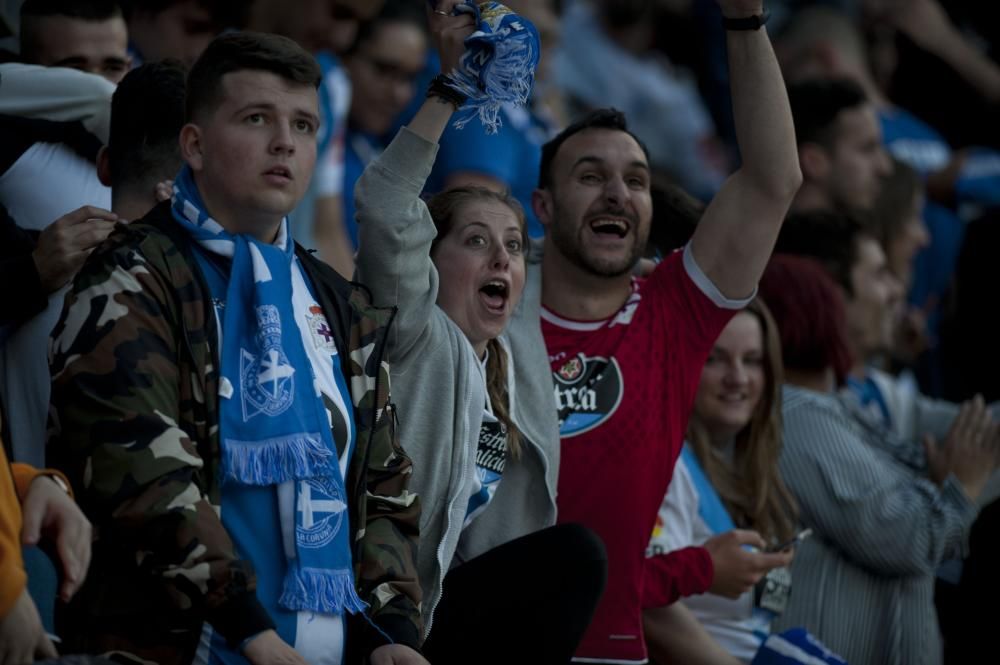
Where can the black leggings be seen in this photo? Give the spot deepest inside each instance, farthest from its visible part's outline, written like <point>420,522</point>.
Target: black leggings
<point>527,601</point>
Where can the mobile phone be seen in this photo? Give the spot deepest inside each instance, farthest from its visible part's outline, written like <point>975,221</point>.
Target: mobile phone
<point>792,542</point>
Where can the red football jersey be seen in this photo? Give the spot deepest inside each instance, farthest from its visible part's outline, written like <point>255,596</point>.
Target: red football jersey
<point>625,387</point>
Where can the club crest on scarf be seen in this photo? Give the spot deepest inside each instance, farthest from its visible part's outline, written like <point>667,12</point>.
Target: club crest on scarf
<point>277,433</point>
<point>266,381</point>
<point>322,506</point>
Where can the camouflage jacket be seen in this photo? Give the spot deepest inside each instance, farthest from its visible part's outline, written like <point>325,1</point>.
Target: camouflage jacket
<point>134,424</point>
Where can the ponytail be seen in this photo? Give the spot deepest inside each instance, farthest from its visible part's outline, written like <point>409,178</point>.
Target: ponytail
<point>496,388</point>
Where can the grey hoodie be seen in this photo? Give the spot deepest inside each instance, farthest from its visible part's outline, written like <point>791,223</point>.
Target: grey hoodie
<point>438,381</point>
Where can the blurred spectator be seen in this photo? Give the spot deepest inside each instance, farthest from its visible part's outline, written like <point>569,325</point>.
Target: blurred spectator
<point>897,222</point>
<point>47,172</point>
<point>317,25</point>
<point>175,29</point>
<point>327,29</point>
<point>854,259</point>
<point>864,582</point>
<point>147,113</point>
<point>89,35</point>
<point>143,150</point>
<point>384,63</point>
<point>840,148</point>
<point>604,59</point>
<point>941,50</point>
<point>826,43</point>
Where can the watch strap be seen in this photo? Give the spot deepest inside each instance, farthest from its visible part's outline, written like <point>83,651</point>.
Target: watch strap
<point>754,22</point>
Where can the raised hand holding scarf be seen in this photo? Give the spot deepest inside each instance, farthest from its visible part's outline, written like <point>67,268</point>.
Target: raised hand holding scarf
<point>498,65</point>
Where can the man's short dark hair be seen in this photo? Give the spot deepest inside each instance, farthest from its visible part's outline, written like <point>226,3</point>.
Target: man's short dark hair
<point>85,10</point>
<point>816,104</point>
<point>829,237</point>
<point>147,113</point>
<point>608,118</point>
<point>240,51</point>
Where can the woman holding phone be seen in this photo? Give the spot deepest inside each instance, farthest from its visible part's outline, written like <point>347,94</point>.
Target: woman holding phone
<point>727,478</point>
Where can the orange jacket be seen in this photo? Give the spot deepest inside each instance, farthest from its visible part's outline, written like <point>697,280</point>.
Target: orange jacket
<point>14,481</point>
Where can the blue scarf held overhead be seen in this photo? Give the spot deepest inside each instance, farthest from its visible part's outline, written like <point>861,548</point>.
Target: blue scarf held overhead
<point>498,65</point>
<point>272,425</point>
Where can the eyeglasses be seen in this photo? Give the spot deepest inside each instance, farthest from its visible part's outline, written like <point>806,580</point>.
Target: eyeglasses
<point>391,71</point>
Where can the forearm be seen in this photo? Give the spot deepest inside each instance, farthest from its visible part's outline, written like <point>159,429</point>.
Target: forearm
<point>763,119</point>
<point>431,120</point>
<point>674,635</point>
<point>736,234</point>
<point>57,93</point>
<point>674,575</point>
<point>971,64</point>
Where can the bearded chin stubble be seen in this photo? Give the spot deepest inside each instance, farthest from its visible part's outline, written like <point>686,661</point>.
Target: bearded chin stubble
<point>569,240</point>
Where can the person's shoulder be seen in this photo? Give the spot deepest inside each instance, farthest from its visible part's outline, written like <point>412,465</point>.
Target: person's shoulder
<point>149,236</point>
<point>150,244</point>
<point>809,405</point>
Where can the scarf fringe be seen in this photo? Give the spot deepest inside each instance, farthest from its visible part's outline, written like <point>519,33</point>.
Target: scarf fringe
<point>277,460</point>
<point>507,76</point>
<point>319,590</point>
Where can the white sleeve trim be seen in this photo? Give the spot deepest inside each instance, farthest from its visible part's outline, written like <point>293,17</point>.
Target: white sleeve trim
<point>706,286</point>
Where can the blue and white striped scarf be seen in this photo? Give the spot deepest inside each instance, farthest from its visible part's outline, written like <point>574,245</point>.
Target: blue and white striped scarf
<point>498,65</point>
<point>272,426</point>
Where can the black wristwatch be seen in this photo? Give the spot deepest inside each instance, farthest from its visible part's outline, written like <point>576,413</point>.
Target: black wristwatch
<point>754,22</point>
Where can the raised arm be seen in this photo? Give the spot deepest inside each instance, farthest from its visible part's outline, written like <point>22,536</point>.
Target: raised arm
<point>57,93</point>
<point>734,239</point>
<point>394,226</point>
<point>929,26</point>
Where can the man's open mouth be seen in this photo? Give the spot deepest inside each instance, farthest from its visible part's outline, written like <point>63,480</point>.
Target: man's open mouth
<point>610,226</point>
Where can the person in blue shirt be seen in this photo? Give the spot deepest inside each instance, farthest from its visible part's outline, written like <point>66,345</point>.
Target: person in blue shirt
<point>384,64</point>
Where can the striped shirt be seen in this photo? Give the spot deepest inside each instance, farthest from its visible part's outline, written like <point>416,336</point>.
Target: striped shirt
<point>864,583</point>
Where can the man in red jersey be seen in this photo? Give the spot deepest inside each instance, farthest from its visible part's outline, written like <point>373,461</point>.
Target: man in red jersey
<point>626,354</point>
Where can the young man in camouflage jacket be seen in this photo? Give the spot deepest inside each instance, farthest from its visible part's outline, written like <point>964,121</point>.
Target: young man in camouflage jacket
<point>137,394</point>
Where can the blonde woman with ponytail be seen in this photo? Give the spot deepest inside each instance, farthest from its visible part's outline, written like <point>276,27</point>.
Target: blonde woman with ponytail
<point>476,405</point>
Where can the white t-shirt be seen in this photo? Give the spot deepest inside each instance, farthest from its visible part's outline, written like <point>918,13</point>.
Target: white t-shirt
<point>685,519</point>
<point>46,182</point>
<point>491,455</point>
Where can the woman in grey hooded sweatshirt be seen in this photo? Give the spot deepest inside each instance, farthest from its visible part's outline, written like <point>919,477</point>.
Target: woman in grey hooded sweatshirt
<point>476,405</point>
